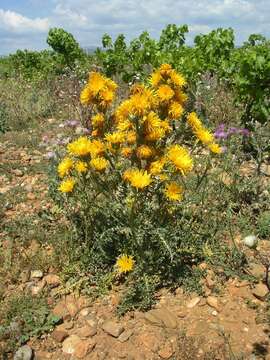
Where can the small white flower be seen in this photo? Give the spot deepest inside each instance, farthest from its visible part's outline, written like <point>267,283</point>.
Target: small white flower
<point>250,241</point>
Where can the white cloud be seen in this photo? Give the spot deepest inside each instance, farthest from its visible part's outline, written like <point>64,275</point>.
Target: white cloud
<point>14,22</point>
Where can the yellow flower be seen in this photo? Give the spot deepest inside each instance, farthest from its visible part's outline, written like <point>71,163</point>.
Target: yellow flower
<point>165,69</point>
<point>204,136</point>
<point>65,166</point>
<point>131,137</point>
<point>125,263</point>
<point>81,167</point>
<point>96,82</point>
<point>97,148</point>
<point>123,110</point>
<point>215,148</point>
<point>139,104</point>
<point>173,191</point>
<point>175,110</point>
<point>180,96</point>
<point>144,152</point>
<point>116,137</point>
<point>80,147</point>
<point>106,97</point>
<point>181,159</point>
<point>111,85</point>
<point>98,120</point>
<point>67,185</point>
<point>165,92</point>
<point>193,121</point>
<point>177,79</point>
<point>137,178</point>
<point>126,151</point>
<point>95,133</point>
<point>157,166</point>
<point>124,125</point>
<point>99,163</point>
<point>155,79</point>
<point>86,96</point>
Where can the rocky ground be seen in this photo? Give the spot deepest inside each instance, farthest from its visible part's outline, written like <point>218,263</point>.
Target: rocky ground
<point>228,322</point>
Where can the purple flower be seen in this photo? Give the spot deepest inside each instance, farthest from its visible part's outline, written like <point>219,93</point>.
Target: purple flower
<point>72,123</point>
<point>233,130</point>
<point>50,155</point>
<point>244,132</point>
<point>220,134</point>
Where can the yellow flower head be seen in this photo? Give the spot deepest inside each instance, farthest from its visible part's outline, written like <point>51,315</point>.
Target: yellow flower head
<point>99,163</point>
<point>144,152</point>
<point>123,110</point>
<point>181,159</point>
<point>165,69</point>
<point>80,147</point>
<point>173,191</point>
<point>215,148</point>
<point>81,166</point>
<point>131,137</point>
<point>180,96</point>
<point>98,120</point>
<point>95,133</point>
<point>155,79</point>
<point>139,104</point>
<point>165,93</point>
<point>124,125</point>
<point>177,79</point>
<point>96,82</point>
<point>86,96</point>
<point>97,148</point>
<point>67,185</point>
<point>137,178</point>
<point>65,166</point>
<point>106,97</point>
<point>193,121</point>
<point>204,136</point>
<point>175,110</point>
<point>125,263</point>
<point>126,151</point>
<point>116,137</point>
<point>157,166</point>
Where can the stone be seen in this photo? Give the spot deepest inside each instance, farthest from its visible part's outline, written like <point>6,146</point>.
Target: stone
<point>52,280</point>
<point>86,331</point>
<point>150,341</point>
<point>36,274</point>
<point>24,353</point>
<point>257,270</point>
<point>251,241</point>
<point>125,335</point>
<point>37,289</point>
<point>24,276</point>
<point>166,352</point>
<point>209,281</point>
<point>68,325</point>
<point>112,328</point>
<point>92,322</point>
<point>42,355</point>
<point>85,312</point>
<point>69,344</point>
<point>61,311</point>
<point>17,172</point>
<point>72,307</point>
<point>193,302</point>
<point>260,291</point>
<point>59,335</point>
<point>162,317</point>
<point>83,348</point>
<point>149,316</point>
<point>213,302</point>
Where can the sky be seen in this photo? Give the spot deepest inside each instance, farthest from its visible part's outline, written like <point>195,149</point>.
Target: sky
<point>24,24</point>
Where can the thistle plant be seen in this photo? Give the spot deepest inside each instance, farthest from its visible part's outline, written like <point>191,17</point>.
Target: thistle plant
<point>125,186</point>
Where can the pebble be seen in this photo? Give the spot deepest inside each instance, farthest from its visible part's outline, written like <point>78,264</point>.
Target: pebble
<point>24,353</point>
<point>213,302</point>
<point>193,302</point>
<point>59,335</point>
<point>52,280</point>
<point>36,274</point>
<point>112,328</point>
<point>86,331</point>
<point>125,335</point>
<point>69,344</point>
<point>260,291</point>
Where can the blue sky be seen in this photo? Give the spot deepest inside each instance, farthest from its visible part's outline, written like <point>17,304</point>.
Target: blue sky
<point>25,23</point>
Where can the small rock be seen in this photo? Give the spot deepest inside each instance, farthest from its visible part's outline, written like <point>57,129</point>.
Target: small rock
<point>83,348</point>
<point>92,322</point>
<point>125,335</point>
<point>24,277</point>
<point>36,289</point>
<point>209,282</point>
<point>59,335</point>
<point>214,313</point>
<point>17,172</point>
<point>162,317</point>
<point>213,302</point>
<point>72,308</point>
<point>86,331</point>
<point>36,274</point>
<point>68,325</point>
<point>85,312</point>
<point>112,328</point>
<point>166,352</point>
<point>52,280</point>
<point>149,316</point>
<point>257,270</point>
<point>193,302</point>
<point>69,344</point>
<point>42,355</point>
<point>251,241</point>
<point>260,291</point>
<point>61,311</point>
<point>24,353</point>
